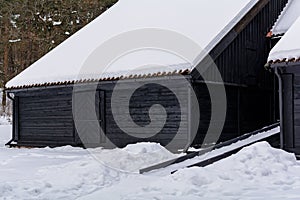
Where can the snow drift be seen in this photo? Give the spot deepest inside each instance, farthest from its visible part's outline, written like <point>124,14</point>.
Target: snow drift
<point>256,172</point>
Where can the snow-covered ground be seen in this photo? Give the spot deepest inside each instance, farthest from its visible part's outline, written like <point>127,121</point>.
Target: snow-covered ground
<point>256,172</point>
<point>67,172</point>
<point>7,111</point>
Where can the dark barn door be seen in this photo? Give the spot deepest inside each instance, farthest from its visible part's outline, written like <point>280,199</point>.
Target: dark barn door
<point>45,120</point>
<point>89,118</point>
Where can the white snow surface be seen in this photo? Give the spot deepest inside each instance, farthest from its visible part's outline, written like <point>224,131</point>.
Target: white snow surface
<point>288,47</point>
<point>288,16</point>
<point>68,172</point>
<point>256,172</point>
<point>205,22</point>
<point>4,121</point>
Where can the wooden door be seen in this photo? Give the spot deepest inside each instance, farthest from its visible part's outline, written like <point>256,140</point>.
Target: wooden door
<point>89,118</point>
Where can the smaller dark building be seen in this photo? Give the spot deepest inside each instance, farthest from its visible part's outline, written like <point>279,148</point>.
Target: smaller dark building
<point>285,61</point>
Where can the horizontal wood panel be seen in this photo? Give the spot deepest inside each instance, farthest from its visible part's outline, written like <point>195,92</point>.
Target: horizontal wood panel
<point>47,140</point>
<point>166,126</point>
<point>35,108</point>
<point>46,99</point>
<point>46,118</point>
<point>58,112</point>
<point>141,136</point>
<point>41,92</point>
<point>46,130</point>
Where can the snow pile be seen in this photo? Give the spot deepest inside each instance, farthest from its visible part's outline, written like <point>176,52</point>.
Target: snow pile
<point>256,172</point>
<point>287,47</point>
<point>65,62</point>
<point>133,157</point>
<point>287,17</point>
<point>145,147</point>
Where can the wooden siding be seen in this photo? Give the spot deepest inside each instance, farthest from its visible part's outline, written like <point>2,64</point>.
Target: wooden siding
<point>288,110</point>
<point>89,117</point>
<point>248,109</point>
<point>243,59</point>
<point>245,51</point>
<point>251,90</point>
<point>140,103</point>
<point>45,118</point>
<point>290,76</point>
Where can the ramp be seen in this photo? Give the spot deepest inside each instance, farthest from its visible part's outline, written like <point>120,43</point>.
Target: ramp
<point>210,155</point>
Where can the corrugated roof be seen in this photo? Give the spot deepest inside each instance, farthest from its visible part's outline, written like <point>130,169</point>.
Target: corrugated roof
<point>205,22</point>
<point>288,48</point>
<point>288,16</point>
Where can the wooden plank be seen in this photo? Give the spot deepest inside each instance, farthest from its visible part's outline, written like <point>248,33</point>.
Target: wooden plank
<point>288,110</point>
<point>16,122</point>
<point>206,150</point>
<point>217,158</point>
<point>46,118</point>
<point>102,104</point>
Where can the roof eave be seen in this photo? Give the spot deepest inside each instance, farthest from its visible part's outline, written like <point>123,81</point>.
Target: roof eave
<point>284,63</point>
<point>170,75</point>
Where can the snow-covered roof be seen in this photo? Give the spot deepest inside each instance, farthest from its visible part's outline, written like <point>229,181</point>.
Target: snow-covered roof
<point>288,16</point>
<point>205,22</point>
<point>288,48</point>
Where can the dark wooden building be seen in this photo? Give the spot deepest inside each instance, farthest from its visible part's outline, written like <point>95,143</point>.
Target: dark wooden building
<point>284,60</point>
<point>44,109</point>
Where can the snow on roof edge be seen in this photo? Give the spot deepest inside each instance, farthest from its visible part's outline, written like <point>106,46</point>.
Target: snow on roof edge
<point>287,50</point>
<point>278,19</point>
<point>287,17</point>
<point>292,55</point>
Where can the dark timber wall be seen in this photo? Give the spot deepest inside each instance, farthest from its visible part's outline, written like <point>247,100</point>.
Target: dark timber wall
<point>290,76</point>
<point>45,116</point>
<point>140,102</point>
<point>251,90</point>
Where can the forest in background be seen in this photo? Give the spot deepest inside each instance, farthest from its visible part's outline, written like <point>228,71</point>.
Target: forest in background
<point>31,28</point>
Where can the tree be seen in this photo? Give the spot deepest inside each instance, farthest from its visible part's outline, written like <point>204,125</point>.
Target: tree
<point>31,28</point>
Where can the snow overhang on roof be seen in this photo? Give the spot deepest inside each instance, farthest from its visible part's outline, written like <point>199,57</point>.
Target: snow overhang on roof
<point>288,16</point>
<point>205,22</point>
<point>288,48</point>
